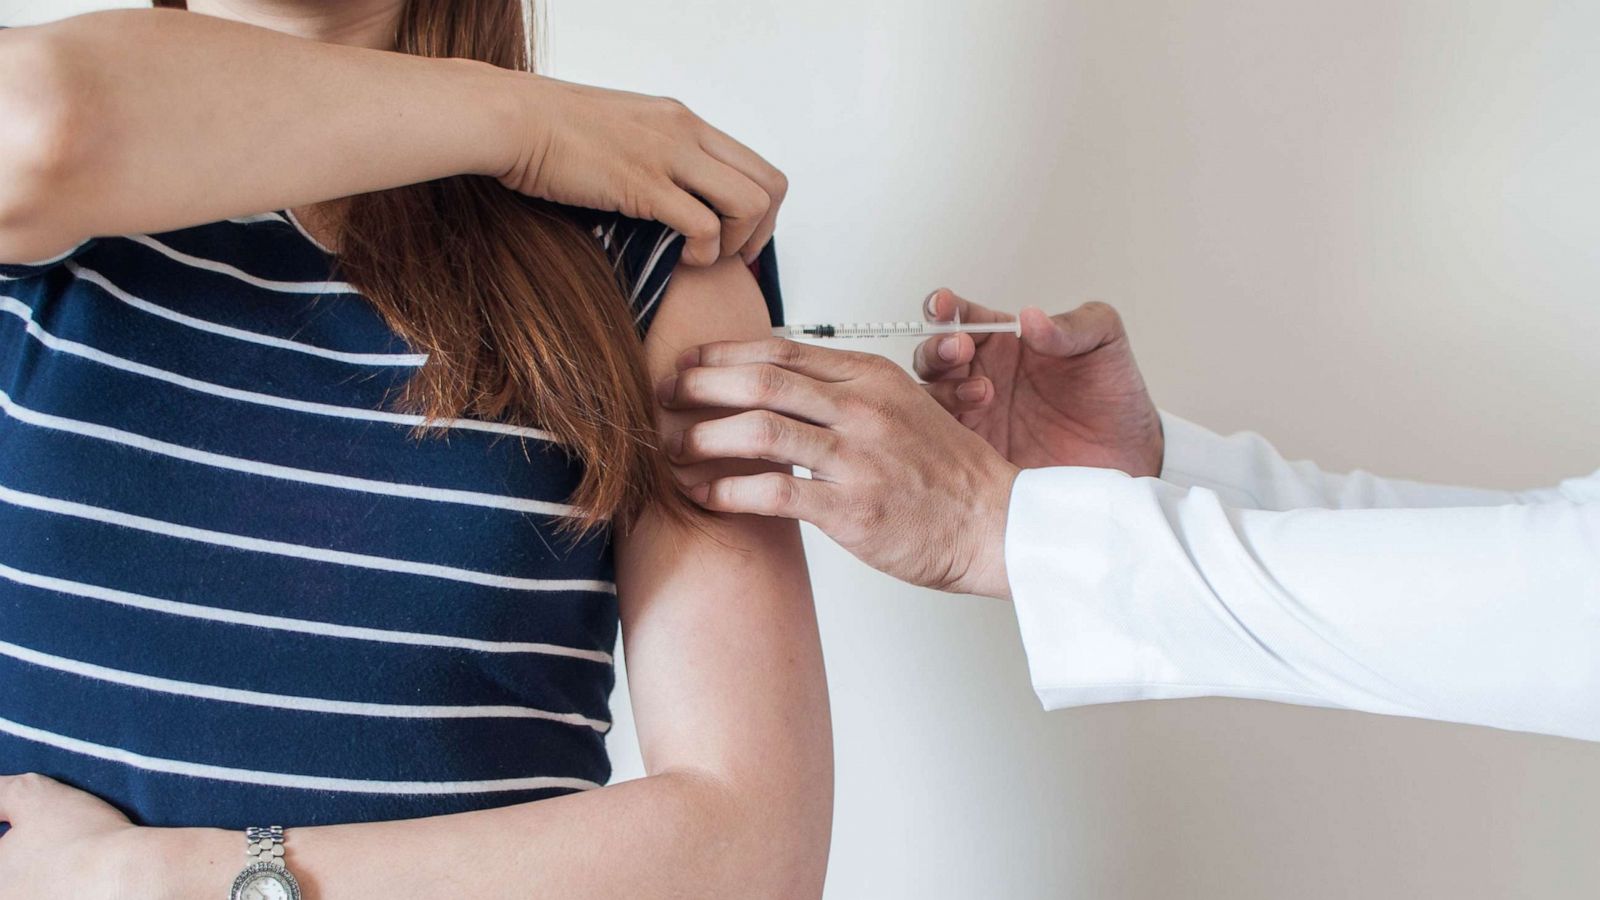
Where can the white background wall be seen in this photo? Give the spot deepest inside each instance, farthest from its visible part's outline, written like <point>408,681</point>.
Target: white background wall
<point>1369,230</point>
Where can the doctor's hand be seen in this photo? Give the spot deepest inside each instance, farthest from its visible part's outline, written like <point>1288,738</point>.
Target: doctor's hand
<point>1068,393</point>
<point>895,480</point>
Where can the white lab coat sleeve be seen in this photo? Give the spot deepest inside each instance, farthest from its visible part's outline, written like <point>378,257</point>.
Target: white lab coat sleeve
<point>1137,588</point>
<point>1248,472</point>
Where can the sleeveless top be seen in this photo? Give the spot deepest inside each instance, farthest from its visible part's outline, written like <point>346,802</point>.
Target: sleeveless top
<point>235,586</point>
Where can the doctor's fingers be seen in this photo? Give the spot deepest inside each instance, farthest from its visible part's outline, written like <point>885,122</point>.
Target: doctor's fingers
<point>945,356</point>
<point>943,305</point>
<point>1083,330</point>
<point>760,386</point>
<point>962,395</point>
<point>821,363</point>
<point>756,435</point>
<point>772,494</point>
<point>951,355</point>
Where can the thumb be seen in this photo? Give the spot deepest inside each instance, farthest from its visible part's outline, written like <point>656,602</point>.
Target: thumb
<point>1083,330</point>
<point>1044,335</point>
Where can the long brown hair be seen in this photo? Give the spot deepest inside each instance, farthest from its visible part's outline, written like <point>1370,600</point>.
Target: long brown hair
<point>517,308</point>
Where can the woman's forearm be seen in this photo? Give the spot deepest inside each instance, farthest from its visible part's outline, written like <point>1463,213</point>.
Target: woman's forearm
<point>668,835</point>
<point>148,120</point>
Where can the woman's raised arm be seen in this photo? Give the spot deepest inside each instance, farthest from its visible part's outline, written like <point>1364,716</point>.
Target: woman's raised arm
<point>138,121</point>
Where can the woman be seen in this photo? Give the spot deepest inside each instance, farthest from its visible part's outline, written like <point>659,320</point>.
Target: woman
<point>327,540</point>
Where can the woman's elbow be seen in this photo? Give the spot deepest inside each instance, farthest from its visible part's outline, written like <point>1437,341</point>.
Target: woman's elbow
<point>43,104</point>
<point>779,840</point>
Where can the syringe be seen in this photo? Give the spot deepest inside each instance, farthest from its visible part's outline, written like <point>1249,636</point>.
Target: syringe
<point>895,329</point>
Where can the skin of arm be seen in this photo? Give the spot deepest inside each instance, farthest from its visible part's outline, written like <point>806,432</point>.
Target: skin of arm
<point>149,120</point>
<point>725,668</point>
<point>143,121</point>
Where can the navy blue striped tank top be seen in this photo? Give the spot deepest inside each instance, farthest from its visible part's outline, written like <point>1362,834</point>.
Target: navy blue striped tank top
<point>234,586</point>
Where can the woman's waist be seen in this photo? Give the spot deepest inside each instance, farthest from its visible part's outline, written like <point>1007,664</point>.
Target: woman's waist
<point>211,769</point>
<point>169,724</point>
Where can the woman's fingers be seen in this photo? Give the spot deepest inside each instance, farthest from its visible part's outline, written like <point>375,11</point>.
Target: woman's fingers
<point>22,794</point>
<point>769,494</point>
<point>10,807</point>
<point>698,223</point>
<point>12,791</point>
<point>650,158</point>
<point>758,434</point>
<point>754,167</point>
<point>739,202</point>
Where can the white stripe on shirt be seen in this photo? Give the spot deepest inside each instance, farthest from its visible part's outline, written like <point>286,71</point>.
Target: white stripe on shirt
<point>617,255</point>
<point>283,623</point>
<point>258,217</point>
<point>287,473</point>
<point>296,551</point>
<point>22,311</point>
<point>288,701</point>
<point>643,278</point>
<point>286,780</point>
<point>305,232</point>
<point>363,359</point>
<point>654,299</point>
<point>221,268</point>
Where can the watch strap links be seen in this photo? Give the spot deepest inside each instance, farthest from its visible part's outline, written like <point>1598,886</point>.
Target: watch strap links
<point>264,844</point>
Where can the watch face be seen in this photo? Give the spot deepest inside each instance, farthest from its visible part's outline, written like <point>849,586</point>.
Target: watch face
<point>265,886</point>
<point>265,881</point>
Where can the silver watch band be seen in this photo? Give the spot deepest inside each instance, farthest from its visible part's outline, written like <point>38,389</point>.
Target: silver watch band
<point>265,877</point>
<point>264,844</point>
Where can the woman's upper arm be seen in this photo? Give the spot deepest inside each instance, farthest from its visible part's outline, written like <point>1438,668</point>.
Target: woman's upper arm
<point>724,662</point>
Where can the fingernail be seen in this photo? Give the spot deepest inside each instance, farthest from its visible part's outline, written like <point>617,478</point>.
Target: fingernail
<point>700,493</point>
<point>972,391</point>
<point>949,349</point>
<point>927,304</point>
<point>667,389</point>
<point>675,443</point>
<point>689,358</point>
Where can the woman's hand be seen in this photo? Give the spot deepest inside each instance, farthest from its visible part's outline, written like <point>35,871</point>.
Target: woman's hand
<point>648,158</point>
<point>62,843</point>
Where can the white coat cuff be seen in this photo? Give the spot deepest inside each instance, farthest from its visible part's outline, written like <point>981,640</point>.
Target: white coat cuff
<point>1073,539</point>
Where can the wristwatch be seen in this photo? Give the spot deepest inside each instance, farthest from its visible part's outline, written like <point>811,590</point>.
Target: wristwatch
<point>266,877</point>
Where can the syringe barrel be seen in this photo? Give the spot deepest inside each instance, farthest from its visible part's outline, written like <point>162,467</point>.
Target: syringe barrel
<point>854,330</point>
<point>892,329</point>
<point>879,329</point>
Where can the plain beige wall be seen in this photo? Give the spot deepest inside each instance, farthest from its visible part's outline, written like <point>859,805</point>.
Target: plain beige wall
<point>1366,229</point>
